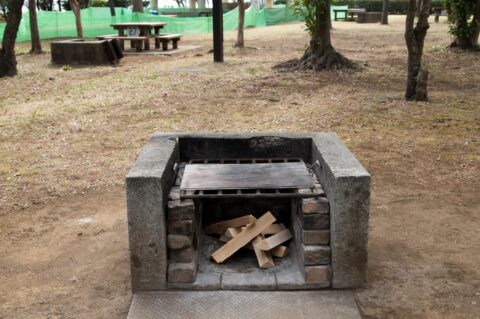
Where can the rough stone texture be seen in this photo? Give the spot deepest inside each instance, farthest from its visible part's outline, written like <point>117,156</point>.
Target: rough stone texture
<point>316,221</point>
<point>79,51</point>
<point>347,185</point>
<point>249,281</point>
<point>182,255</point>
<point>182,272</point>
<point>317,274</point>
<point>147,187</point>
<point>178,241</point>
<point>317,205</point>
<point>204,281</point>
<point>174,193</point>
<point>316,237</point>
<point>244,304</point>
<point>294,280</point>
<point>316,254</point>
<point>180,210</point>
<point>180,227</point>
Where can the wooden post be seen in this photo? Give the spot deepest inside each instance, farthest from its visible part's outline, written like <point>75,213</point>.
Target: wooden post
<point>217,31</point>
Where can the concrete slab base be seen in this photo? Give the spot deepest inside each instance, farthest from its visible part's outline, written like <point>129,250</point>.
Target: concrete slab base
<point>244,304</point>
<point>181,49</point>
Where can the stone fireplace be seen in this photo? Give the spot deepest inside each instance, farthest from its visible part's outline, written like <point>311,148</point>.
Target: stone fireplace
<point>327,215</point>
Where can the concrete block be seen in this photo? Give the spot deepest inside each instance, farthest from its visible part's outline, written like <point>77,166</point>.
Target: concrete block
<point>316,221</point>
<point>180,227</point>
<point>147,187</point>
<point>174,193</point>
<point>79,51</point>
<point>347,185</point>
<point>316,205</point>
<point>181,210</point>
<point>316,254</point>
<point>182,272</point>
<point>249,281</point>
<point>316,237</point>
<point>182,255</point>
<point>317,274</point>
<point>294,280</point>
<point>178,241</point>
<point>204,281</point>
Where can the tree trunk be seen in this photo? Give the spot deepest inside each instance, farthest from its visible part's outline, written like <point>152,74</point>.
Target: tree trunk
<point>112,8</point>
<point>385,12</point>
<point>321,55</point>
<point>78,19</point>
<point>476,25</point>
<point>8,63</point>
<point>36,44</point>
<point>415,37</point>
<point>241,21</point>
<point>59,6</point>
<point>137,6</point>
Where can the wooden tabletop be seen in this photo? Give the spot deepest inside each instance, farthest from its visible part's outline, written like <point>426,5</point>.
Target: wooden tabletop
<point>138,24</point>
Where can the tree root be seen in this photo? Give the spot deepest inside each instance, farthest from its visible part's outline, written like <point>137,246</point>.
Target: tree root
<point>330,60</point>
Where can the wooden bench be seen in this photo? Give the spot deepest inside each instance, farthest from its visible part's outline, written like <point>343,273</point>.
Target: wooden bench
<point>165,39</point>
<point>136,41</point>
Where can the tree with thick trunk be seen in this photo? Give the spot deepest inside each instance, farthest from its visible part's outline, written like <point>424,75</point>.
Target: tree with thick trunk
<point>385,12</point>
<point>137,6</point>
<point>417,77</point>
<point>112,8</point>
<point>241,21</point>
<point>78,19</point>
<point>8,63</point>
<point>320,55</point>
<point>35,36</point>
<point>465,31</point>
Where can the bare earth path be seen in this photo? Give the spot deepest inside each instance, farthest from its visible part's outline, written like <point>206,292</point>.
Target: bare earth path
<point>67,139</point>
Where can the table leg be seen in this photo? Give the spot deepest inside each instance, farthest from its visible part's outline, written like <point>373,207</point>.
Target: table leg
<point>335,15</point>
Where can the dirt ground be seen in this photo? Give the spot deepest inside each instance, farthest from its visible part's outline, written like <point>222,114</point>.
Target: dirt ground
<point>69,135</point>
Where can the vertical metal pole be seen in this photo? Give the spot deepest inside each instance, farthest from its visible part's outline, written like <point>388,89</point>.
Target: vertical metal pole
<point>217,31</point>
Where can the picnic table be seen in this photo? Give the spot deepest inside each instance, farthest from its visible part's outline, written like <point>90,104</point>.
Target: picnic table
<point>138,33</point>
<point>348,12</point>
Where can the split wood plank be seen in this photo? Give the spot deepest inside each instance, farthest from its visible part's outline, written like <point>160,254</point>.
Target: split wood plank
<point>222,226</point>
<point>264,258</point>
<point>275,240</point>
<point>279,251</point>
<point>247,235</point>
<point>273,229</point>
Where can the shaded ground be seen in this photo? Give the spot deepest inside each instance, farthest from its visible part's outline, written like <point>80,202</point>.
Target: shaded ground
<point>69,137</point>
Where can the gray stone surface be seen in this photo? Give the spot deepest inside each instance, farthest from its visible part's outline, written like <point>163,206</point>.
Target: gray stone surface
<point>244,304</point>
<point>204,281</point>
<point>79,51</point>
<point>317,205</point>
<point>316,221</point>
<point>180,227</point>
<point>294,280</point>
<point>174,193</point>
<point>347,185</point>
<point>182,255</point>
<point>317,274</point>
<point>181,210</point>
<point>316,237</point>
<point>249,281</point>
<point>182,272</point>
<point>147,186</point>
<point>178,241</point>
<point>316,254</point>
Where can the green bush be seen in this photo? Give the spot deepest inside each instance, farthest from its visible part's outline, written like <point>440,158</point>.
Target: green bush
<point>98,3</point>
<point>395,7</point>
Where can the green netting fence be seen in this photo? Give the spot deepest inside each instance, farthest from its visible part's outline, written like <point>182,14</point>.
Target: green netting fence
<point>97,21</point>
